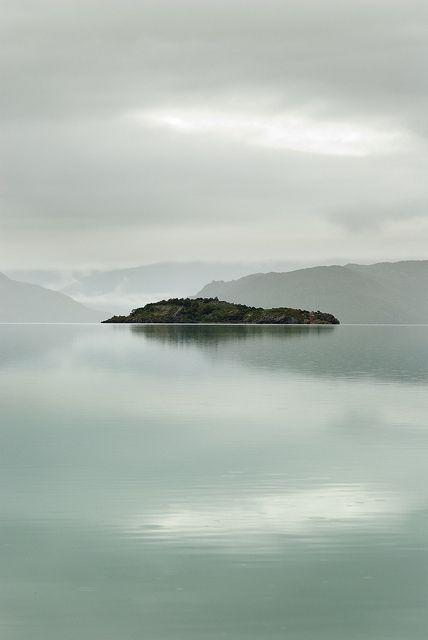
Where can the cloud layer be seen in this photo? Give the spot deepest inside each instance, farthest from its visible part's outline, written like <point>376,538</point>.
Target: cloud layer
<point>192,129</point>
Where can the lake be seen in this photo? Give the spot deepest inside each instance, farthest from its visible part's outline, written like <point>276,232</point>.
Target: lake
<point>211,482</point>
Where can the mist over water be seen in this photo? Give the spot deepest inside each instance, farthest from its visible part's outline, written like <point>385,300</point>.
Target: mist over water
<point>206,482</point>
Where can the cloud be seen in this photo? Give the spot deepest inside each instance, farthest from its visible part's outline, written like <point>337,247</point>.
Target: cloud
<point>288,131</point>
<point>138,119</point>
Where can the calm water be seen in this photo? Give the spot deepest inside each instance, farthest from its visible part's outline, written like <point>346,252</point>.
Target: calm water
<point>201,483</point>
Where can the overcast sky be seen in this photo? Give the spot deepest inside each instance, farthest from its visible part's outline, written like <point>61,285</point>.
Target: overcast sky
<point>136,131</point>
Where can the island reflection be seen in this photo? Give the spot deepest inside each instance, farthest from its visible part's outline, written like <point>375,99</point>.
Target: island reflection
<point>391,352</point>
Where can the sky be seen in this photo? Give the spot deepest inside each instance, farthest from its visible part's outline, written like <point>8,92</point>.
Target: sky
<point>233,130</point>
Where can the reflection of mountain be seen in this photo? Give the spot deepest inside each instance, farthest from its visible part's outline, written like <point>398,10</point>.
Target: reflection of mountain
<point>35,343</point>
<point>21,302</point>
<point>378,293</point>
<point>394,352</point>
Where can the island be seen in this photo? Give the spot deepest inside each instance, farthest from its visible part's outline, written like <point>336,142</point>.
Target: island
<point>215,311</point>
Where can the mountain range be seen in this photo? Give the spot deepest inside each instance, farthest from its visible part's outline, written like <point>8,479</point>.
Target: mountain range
<point>387,292</point>
<point>121,290</point>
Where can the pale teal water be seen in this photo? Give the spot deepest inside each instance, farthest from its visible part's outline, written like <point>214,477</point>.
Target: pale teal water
<point>201,483</point>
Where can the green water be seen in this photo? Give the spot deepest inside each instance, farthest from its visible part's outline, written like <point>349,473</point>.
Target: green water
<point>201,483</point>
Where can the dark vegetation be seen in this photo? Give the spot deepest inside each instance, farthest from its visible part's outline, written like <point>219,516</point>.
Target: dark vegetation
<point>213,310</point>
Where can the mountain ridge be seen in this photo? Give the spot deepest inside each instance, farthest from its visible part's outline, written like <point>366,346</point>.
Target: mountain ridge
<point>385,292</point>
<point>23,302</point>
<point>122,289</point>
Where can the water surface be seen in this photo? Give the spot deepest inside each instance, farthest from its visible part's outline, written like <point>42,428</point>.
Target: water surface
<point>209,482</point>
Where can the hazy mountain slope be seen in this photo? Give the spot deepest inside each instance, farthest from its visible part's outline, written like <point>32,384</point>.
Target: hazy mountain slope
<point>380,293</point>
<point>405,283</point>
<point>121,290</point>
<point>21,302</point>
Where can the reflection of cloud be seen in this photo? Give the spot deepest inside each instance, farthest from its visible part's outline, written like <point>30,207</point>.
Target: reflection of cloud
<point>298,512</point>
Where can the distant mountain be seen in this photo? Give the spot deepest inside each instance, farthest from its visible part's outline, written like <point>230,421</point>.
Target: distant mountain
<point>121,290</point>
<point>388,292</point>
<point>212,310</point>
<point>21,302</point>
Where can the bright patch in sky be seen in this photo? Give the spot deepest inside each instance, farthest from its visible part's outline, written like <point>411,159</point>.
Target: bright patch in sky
<point>287,131</point>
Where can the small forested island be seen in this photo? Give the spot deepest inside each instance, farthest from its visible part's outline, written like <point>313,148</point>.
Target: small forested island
<point>213,310</point>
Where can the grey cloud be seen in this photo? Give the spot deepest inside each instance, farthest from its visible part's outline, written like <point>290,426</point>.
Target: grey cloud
<point>72,72</point>
<point>78,57</point>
